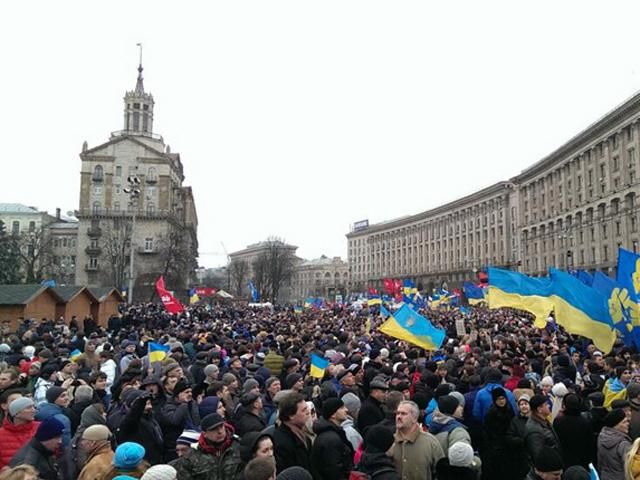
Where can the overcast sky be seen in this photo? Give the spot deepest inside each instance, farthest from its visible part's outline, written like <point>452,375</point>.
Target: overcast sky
<point>297,118</point>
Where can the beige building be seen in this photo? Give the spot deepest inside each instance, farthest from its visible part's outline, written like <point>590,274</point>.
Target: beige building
<point>322,277</point>
<point>573,208</point>
<point>165,215</point>
<point>49,241</point>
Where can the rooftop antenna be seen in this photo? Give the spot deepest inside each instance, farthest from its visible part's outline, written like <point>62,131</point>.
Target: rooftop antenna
<point>140,46</point>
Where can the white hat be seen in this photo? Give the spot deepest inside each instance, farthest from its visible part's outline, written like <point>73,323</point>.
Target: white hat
<point>160,472</point>
<point>460,455</point>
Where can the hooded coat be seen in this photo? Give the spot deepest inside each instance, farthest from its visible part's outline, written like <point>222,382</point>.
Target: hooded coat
<point>36,455</point>
<point>448,430</point>
<point>331,443</point>
<point>378,466</point>
<point>98,461</point>
<point>13,437</point>
<point>613,445</point>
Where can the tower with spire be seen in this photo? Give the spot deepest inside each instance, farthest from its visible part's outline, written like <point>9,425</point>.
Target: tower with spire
<point>138,107</point>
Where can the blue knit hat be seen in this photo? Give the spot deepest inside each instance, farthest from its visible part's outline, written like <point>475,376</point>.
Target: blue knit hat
<point>123,477</point>
<point>128,455</point>
<point>49,428</point>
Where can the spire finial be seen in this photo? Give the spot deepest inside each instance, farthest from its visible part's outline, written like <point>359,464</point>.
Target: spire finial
<point>139,84</point>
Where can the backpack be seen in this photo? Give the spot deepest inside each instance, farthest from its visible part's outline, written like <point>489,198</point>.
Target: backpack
<point>357,475</point>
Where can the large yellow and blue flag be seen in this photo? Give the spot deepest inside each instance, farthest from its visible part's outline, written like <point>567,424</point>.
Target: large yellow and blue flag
<point>158,352</point>
<point>582,310</point>
<point>517,290</point>
<point>474,293</point>
<point>408,325</point>
<point>624,311</point>
<point>629,278</point>
<point>193,296</point>
<point>318,366</point>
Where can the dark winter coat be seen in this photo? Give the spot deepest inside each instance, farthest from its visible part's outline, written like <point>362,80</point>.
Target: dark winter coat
<point>199,465</point>
<point>539,434</point>
<point>249,422</point>
<point>290,450</point>
<point>174,419</point>
<point>517,458</point>
<point>378,466</point>
<point>371,413</point>
<point>634,424</point>
<point>496,450</point>
<point>613,445</point>
<point>445,471</point>
<point>36,455</point>
<point>330,443</point>
<point>574,432</point>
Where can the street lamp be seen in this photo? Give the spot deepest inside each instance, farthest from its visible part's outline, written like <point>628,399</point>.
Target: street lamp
<point>134,192</point>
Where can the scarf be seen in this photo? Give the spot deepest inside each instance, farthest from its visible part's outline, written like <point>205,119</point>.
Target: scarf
<point>215,450</point>
<point>298,432</point>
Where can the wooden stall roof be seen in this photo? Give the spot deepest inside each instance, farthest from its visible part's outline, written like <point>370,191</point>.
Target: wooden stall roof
<point>70,292</point>
<point>24,294</point>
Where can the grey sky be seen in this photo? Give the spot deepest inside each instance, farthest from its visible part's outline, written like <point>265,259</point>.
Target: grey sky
<point>298,118</point>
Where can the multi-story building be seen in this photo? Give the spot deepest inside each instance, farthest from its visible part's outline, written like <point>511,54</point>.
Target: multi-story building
<point>322,277</point>
<point>166,223</point>
<point>48,243</point>
<point>572,209</point>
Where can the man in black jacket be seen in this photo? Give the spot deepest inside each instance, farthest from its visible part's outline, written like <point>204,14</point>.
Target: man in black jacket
<point>292,447</point>
<point>331,443</point>
<point>371,412</point>
<point>41,451</point>
<point>248,418</point>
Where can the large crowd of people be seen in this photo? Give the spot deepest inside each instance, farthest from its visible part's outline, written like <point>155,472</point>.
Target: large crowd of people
<point>234,399</point>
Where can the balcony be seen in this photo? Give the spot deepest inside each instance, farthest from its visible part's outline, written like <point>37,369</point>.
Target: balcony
<point>147,251</point>
<point>90,268</point>
<point>146,214</point>
<point>93,251</point>
<point>94,231</point>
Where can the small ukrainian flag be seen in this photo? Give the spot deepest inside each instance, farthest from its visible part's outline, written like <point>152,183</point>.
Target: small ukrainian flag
<point>74,355</point>
<point>157,351</point>
<point>318,366</point>
<point>408,325</point>
<point>297,309</point>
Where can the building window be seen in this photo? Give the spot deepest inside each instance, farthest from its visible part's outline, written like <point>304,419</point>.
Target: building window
<point>118,171</point>
<point>148,244</point>
<point>616,163</point>
<point>98,173</point>
<point>94,243</point>
<point>15,227</point>
<point>96,207</point>
<point>152,176</point>
<point>116,206</point>
<point>93,263</point>
<point>64,242</point>
<point>151,208</point>
<point>32,227</point>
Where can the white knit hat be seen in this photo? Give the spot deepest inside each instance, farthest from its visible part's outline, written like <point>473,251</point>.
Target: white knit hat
<point>460,455</point>
<point>160,472</point>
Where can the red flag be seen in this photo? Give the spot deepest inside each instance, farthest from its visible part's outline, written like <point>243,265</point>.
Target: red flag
<point>205,291</point>
<point>170,303</point>
<point>397,289</point>
<point>388,286</point>
<point>372,291</point>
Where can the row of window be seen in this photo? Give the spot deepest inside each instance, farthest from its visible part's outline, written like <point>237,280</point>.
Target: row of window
<point>98,173</point>
<point>15,227</point>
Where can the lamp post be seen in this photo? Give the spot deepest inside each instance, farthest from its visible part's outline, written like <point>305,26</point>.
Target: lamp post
<point>134,192</point>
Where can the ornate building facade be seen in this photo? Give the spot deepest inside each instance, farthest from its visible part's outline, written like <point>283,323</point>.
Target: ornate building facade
<point>572,209</point>
<point>322,277</point>
<point>164,239</point>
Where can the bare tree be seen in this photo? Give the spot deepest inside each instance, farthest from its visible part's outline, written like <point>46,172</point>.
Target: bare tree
<point>260,268</point>
<point>177,257</point>
<point>272,268</point>
<point>116,244</point>
<point>36,254</point>
<point>239,270</point>
<point>9,257</point>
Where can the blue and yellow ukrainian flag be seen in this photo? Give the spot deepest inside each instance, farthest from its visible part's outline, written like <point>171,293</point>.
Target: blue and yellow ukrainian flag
<point>613,390</point>
<point>474,293</point>
<point>193,296</point>
<point>318,366</point>
<point>516,290</point>
<point>408,325</point>
<point>582,310</point>
<point>308,302</point>
<point>629,278</point>
<point>157,351</point>
<point>624,311</point>
<point>73,356</point>
<point>297,309</point>
<point>374,300</point>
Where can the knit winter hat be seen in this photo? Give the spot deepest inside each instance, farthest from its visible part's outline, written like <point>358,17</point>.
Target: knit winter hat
<point>633,390</point>
<point>497,393</point>
<point>378,439</point>
<point>124,477</point>
<point>536,401</point>
<point>459,396</point>
<point>228,379</point>
<point>352,402</point>
<point>548,460</point>
<point>576,472</point>
<point>128,455</point>
<point>614,417</point>
<point>211,370</point>
<point>447,404</point>
<point>49,428</point>
<point>249,385</point>
<point>292,379</point>
<point>331,406</point>
<point>53,393</point>
<point>188,437</point>
<point>160,472</point>
<point>270,382</point>
<point>96,433</point>
<point>294,473</point>
<point>19,404</point>
<point>460,455</point>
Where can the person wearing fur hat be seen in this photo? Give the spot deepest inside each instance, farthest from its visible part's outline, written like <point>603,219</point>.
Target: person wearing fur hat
<point>180,412</point>
<point>331,443</point>
<point>613,445</point>
<point>18,427</point>
<point>374,461</point>
<point>44,450</point>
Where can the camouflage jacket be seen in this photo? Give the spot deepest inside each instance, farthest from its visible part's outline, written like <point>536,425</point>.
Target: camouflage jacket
<point>198,465</point>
